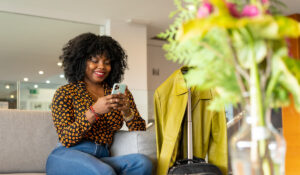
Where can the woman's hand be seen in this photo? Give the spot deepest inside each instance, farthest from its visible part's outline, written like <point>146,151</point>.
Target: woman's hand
<point>106,104</point>
<point>124,104</point>
<point>116,101</point>
<point>113,102</point>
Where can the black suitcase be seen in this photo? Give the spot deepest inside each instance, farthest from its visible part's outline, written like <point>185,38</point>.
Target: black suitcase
<point>192,165</point>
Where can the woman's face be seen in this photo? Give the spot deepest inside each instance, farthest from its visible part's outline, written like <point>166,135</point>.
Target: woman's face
<point>97,69</point>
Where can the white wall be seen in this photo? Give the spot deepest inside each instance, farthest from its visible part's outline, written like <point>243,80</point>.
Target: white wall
<point>133,38</point>
<point>157,60</point>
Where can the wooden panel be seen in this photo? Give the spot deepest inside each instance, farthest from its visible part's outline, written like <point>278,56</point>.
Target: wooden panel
<point>294,44</point>
<point>291,132</point>
<point>291,121</point>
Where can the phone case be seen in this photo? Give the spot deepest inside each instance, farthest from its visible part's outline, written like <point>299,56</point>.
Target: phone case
<point>118,88</point>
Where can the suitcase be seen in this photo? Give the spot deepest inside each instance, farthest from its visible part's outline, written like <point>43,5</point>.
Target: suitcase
<point>192,165</point>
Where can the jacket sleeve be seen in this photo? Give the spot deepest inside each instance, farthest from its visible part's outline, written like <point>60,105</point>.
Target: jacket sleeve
<point>158,123</point>
<point>218,152</point>
<point>137,123</point>
<point>70,128</point>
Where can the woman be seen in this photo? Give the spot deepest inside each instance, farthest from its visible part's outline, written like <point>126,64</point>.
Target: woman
<point>86,115</point>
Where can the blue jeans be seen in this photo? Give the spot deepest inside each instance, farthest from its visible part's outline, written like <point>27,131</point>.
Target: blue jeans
<point>88,158</point>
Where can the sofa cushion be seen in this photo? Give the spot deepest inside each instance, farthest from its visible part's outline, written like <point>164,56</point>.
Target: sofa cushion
<point>26,138</point>
<point>143,142</point>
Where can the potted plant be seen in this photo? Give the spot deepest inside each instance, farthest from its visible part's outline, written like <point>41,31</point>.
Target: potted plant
<point>240,49</point>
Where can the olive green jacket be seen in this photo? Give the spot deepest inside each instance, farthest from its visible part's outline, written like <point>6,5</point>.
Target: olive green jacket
<point>209,127</point>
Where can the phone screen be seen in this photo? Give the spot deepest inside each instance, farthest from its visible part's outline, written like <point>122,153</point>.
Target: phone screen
<point>118,88</point>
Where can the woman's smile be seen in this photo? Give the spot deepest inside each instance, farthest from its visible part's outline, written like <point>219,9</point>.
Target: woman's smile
<point>100,74</point>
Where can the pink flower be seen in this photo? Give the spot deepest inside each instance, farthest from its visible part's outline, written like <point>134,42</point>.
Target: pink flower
<point>232,9</point>
<point>250,11</point>
<point>205,10</point>
<point>265,1</point>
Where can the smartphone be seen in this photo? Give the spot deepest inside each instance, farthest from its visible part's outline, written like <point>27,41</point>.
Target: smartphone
<point>118,88</point>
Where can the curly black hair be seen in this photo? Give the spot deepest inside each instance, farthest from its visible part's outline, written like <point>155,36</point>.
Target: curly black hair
<point>87,45</point>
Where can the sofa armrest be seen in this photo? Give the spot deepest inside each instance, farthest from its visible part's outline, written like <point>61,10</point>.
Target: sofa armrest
<point>143,142</point>
<point>26,140</point>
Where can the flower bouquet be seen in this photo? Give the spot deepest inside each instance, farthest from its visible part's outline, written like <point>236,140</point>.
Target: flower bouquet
<point>239,48</point>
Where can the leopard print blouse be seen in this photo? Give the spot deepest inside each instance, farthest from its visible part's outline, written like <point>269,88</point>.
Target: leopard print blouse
<point>69,105</point>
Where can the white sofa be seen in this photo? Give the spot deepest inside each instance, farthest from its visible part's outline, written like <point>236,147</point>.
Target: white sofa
<point>27,138</point>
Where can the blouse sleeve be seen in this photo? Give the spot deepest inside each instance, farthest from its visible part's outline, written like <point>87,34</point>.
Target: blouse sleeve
<point>70,128</point>
<point>137,123</point>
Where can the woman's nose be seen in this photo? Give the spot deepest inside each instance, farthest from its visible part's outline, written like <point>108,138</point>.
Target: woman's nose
<point>100,64</point>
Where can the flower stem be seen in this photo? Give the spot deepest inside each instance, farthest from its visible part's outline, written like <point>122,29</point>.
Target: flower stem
<point>239,73</point>
<point>271,86</point>
<point>255,93</point>
<point>257,110</point>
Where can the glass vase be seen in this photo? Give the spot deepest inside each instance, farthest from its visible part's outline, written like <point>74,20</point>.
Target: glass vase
<point>257,150</point>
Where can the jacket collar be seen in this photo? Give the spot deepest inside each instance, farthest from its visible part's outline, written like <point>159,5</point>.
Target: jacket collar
<point>180,88</point>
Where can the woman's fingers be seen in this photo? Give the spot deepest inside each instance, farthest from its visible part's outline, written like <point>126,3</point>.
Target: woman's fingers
<point>111,99</point>
<point>118,101</point>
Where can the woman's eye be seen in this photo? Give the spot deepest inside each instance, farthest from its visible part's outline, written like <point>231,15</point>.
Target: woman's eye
<point>94,60</point>
<point>107,62</point>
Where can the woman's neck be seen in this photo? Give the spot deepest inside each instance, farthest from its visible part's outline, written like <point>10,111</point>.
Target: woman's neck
<point>95,89</point>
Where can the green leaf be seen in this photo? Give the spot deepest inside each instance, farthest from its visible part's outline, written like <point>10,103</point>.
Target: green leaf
<point>264,27</point>
<point>199,27</point>
<point>288,27</point>
<point>247,48</point>
<point>280,97</point>
<point>290,77</point>
<point>221,99</point>
<point>172,14</point>
<point>260,50</point>
<point>269,27</point>
<point>213,68</point>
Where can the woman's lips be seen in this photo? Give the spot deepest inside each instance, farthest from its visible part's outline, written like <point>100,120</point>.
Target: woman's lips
<point>100,74</point>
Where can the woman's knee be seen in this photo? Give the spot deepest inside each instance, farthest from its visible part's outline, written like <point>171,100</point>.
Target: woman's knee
<point>67,161</point>
<point>145,163</point>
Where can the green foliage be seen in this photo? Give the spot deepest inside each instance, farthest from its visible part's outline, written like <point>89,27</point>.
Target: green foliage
<point>247,47</point>
<point>182,14</point>
<point>199,27</point>
<point>290,77</point>
<point>276,6</point>
<point>225,51</point>
<point>287,27</point>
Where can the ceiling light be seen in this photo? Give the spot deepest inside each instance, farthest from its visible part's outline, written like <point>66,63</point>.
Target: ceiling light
<point>26,79</point>
<point>41,72</point>
<point>61,76</point>
<point>7,86</point>
<point>35,86</point>
<point>47,81</point>
<point>59,63</point>
<point>12,96</point>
